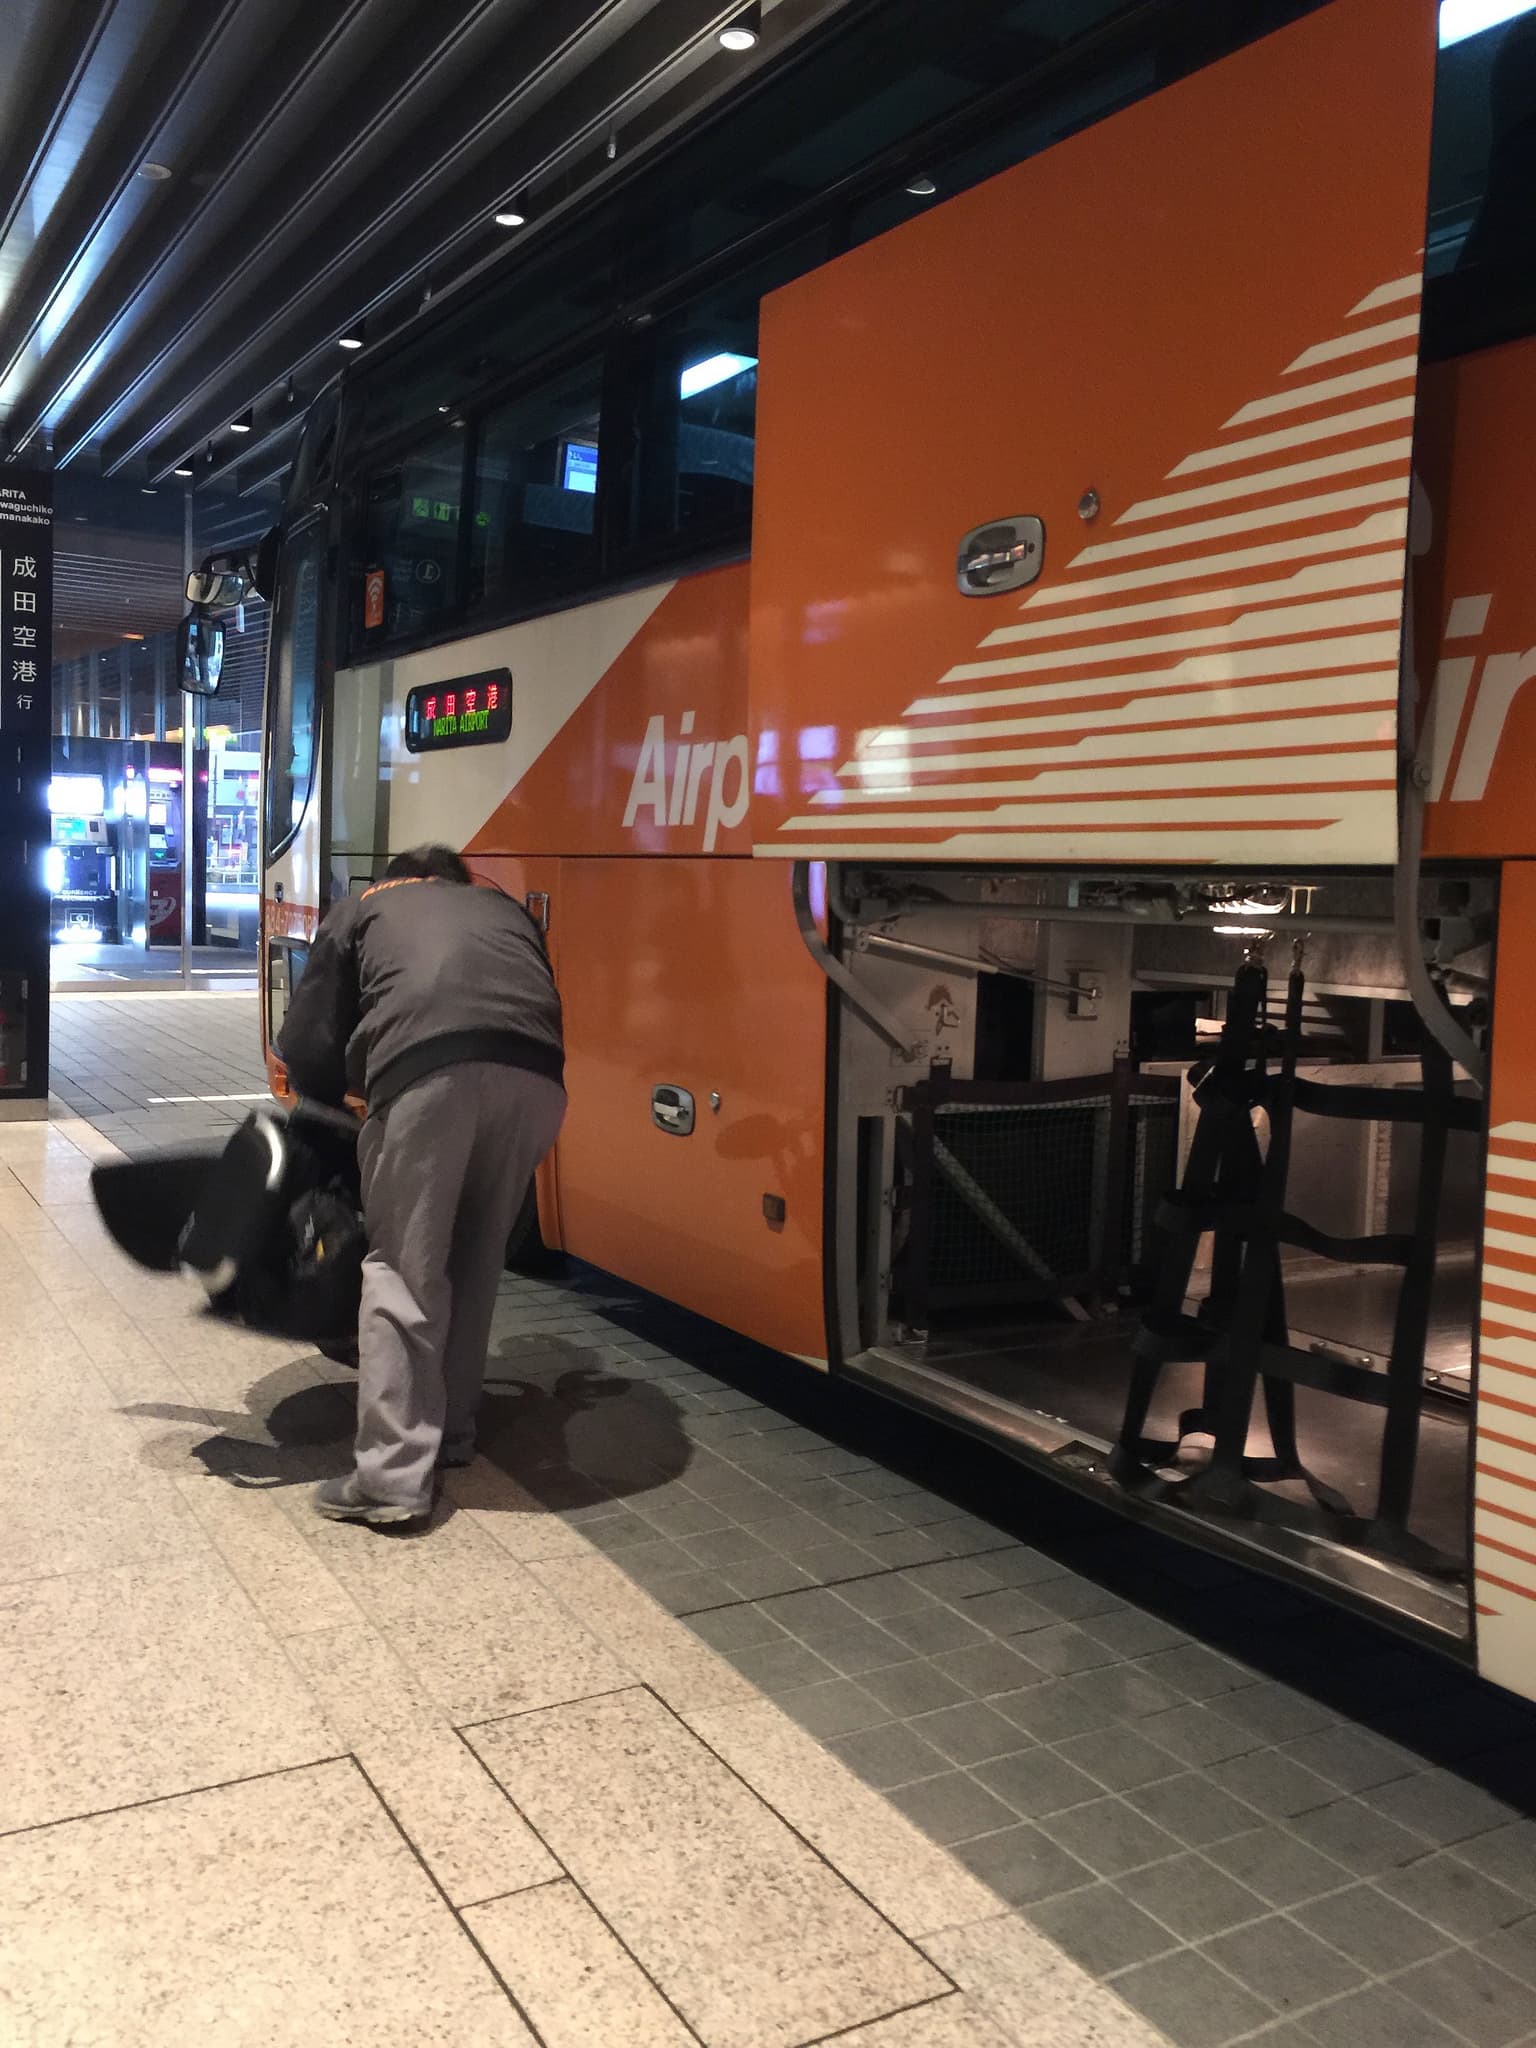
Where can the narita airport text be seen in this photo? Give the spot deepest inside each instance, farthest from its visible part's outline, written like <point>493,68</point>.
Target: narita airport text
<point>467,721</point>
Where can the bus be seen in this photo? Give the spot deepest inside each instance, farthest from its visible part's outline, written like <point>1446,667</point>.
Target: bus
<point>981,599</point>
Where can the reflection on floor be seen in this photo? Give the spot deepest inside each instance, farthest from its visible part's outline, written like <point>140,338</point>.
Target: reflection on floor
<point>719,1704</point>
<point>74,967</point>
<point>151,1071</point>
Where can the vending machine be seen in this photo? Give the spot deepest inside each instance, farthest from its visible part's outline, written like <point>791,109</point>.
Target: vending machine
<point>165,820</point>
<point>82,864</point>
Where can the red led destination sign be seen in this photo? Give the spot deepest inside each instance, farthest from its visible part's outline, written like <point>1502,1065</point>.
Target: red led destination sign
<point>469,711</point>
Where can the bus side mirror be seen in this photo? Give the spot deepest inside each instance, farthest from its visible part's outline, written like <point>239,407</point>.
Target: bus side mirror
<point>200,654</point>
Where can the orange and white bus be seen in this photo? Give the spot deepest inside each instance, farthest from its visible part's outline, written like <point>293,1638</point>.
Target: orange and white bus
<point>929,589</point>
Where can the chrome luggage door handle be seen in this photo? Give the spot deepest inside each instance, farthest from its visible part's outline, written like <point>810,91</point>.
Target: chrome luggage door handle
<point>672,1111</point>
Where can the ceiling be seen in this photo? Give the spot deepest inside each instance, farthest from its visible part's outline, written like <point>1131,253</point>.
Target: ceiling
<point>198,197</point>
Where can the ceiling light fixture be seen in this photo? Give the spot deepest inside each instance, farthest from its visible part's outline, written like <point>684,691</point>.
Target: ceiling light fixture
<point>242,425</point>
<point>354,336</point>
<point>155,174</point>
<point>515,215</point>
<point>922,187</point>
<point>182,469</point>
<point>745,30</point>
<point>148,491</point>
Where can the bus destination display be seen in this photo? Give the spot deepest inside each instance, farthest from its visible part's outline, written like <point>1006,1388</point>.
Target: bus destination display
<point>469,711</point>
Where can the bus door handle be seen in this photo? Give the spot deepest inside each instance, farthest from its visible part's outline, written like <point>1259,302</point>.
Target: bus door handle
<point>672,1111</point>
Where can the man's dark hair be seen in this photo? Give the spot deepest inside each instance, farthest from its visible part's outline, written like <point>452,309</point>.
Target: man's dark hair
<point>428,864</point>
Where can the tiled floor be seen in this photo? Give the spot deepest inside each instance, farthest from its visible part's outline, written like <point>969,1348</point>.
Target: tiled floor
<point>719,1704</point>
<point>158,1069</point>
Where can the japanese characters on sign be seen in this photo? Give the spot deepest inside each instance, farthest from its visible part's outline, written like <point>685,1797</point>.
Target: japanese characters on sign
<point>26,601</point>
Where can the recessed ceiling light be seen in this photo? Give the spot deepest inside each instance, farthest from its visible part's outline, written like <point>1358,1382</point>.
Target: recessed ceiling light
<point>242,425</point>
<point>155,174</point>
<point>745,30</point>
<point>182,469</point>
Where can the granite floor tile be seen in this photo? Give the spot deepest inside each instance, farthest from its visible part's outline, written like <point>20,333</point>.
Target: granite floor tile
<point>949,2022</point>
<point>988,1669</point>
<point>1374,1930</point>
<point>917,1885</point>
<point>459,1820</point>
<point>1189,1895</point>
<point>839,1707</point>
<point>972,1733</point>
<point>654,1647</point>
<point>280,1572</point>
<point>571,1975</point>
<point>1120,1758</point>
<point>705,1885</point>
<point>781,1667</point>
<point>1441,1805</point>
<point>914,1688</point>
<point>861,1646</point>
<point>132,1684</point>
<point>1273,1782</point>
<point>1039,1996</point>
<point>299,1915</point>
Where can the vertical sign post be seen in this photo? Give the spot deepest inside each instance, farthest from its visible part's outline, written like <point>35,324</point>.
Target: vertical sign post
<point>26,690</point>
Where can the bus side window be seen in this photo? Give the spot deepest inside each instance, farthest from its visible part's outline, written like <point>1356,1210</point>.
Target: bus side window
<point>412,513</point>
<point>686,464</point>
<point>535,493</point>
<point>294,706</point>
<point>1481,257</point>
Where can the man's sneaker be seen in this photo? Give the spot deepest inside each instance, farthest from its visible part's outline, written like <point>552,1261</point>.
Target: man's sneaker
<point>343,1500</point>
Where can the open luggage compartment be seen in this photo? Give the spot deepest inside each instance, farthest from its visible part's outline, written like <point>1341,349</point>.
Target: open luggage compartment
<point>1201,1238</point>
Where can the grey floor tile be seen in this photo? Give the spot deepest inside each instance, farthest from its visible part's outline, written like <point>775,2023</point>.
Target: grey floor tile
<point>954,1578</point>
<point>1481,2001</point>
<point>1508,1855</point>
<point>1373,1930</point>
<point>782,1666</point>
<point>761,1581</point>
<point>1038,1782</point>
<point>1064,1648</point>
<point>717,1548</point>
<point>913,1688</point>
<point>1351,1758</point>
<point>1023,1866</point>
<point>1194,1809</point>
<point>1281,1869</point>
<point>1199,1736</point>
<point>1110,1836</point>
<point>1514,1949</point>
<point>1072,1598</point>
<point>736,1628</point>
<point>953,1807</point>
<point>988,1669</point>
<point>905,1547</point>
<point>890,1755</point>
<point>690,1592</point>
<point>1009,1611</point>
<point>1192,1897</point>
<point>1195,2004</point>
<point>1273,1782</point>
<point>861,1646</point>
<point>1283,1963</point>
<point>933,1630</point>
<point>1454,1896</point>
<point>1133,1632</point>
<point>1019,1565</point>
<point>1119,1757</point>
<point>1353,1835</point>
<point>1277,1712</point>
<point>970,1734</point>
<point>1198,1673</point>
<point>1053,1712</point>
<point>1377,2017</point>
<point>861,1519</point>
<point>836,1706</point>
<point>1441,1805</point>
<point>809,1614</point>
<point>829,1564</point>
<point>1101,1929</point>
<point>890,1593</point>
